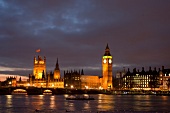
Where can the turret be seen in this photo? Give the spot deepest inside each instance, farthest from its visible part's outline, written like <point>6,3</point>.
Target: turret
<point>39,67</point>
<point>57,65</point>
<point>57,71</point>
<point>162,68</point>
<point>107,51</point>
<point>143,69</point>
<point>82,72</point>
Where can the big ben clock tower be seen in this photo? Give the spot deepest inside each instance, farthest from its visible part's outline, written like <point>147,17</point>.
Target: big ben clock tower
<point>107,69</point>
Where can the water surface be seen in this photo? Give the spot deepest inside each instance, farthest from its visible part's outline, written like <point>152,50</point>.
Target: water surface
<point>102,103</point>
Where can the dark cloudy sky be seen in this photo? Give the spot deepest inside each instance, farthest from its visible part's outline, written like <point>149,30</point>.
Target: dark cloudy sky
<point>77,31</point>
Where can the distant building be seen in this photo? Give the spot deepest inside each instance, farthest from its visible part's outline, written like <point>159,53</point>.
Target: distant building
<point>164,79</point>
<point>118,79</point>
<point>90,82</point>
<point>9,82</point>
<point>72,79</point>
<point>21,83</point>
<point>76,80</point>
<point>141,80</point>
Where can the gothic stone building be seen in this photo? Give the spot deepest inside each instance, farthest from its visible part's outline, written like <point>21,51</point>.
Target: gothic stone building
<point>41,79</point>
<point>75,79</point>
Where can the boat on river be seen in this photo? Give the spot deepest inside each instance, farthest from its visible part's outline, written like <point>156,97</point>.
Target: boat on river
<point>72,97</point>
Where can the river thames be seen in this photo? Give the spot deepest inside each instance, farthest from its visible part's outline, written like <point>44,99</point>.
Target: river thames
<point>102,103</point>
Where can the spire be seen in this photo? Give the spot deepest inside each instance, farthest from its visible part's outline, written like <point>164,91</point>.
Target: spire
<point>82,73</point>
<point>107,47</point>
<point>57,65</point>
<point>107,51</point>
<point>43,75</point>
<point>20,79</point>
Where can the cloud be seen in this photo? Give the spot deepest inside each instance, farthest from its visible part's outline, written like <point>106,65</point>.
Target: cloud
<point>77,32</point>
<point>12,69</point>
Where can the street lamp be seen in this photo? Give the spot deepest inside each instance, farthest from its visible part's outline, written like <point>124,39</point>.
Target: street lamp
<point>72,87</point>
<point>28,84</point>
<point>86,87</point>
<point>100,88</point>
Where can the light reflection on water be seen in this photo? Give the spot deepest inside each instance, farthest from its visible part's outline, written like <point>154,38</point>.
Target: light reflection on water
<point>52,102</point>
<point>9,101</point>
<point>107,103</point>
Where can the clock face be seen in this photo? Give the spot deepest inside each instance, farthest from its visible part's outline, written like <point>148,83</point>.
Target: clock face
<point>110,61</point>
<point>104,61</point>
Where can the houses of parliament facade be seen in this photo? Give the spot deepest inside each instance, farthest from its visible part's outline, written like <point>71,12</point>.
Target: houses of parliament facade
<point>76,79</point>
<point>72,78</point>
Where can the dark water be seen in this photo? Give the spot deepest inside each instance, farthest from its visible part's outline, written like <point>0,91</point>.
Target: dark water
<point>102,103</point>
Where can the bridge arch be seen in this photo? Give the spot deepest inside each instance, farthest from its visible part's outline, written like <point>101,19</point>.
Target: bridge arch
<point>47,92</point>
<point>19,91</point>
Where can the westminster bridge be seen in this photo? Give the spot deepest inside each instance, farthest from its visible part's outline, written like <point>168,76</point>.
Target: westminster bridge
<point>58,91</point>
<point>42,90</point>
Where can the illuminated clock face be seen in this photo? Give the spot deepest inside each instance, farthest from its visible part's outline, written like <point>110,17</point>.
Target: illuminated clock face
<point>110,61</point>
<point>104,61</point>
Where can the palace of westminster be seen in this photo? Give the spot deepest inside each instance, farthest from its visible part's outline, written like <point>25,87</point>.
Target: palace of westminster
<point>123,80</point>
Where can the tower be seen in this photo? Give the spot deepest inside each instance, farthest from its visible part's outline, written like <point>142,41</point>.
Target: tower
<point>57,71</point>
<point>39,67</point>
<point>107,69</point>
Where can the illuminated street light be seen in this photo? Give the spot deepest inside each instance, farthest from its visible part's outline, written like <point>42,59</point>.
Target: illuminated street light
<point>100,88</point>
<point>86,87</point>
<point>72,86</point>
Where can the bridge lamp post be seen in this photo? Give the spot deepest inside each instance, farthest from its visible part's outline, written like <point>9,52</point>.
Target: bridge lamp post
<point>9,83</point>
<point>66,87</point>
<point>100,88</point>
<point>86,87</point>
<point>72,86</point>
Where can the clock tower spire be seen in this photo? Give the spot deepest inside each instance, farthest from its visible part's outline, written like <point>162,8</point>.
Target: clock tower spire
<point>107,69</point>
